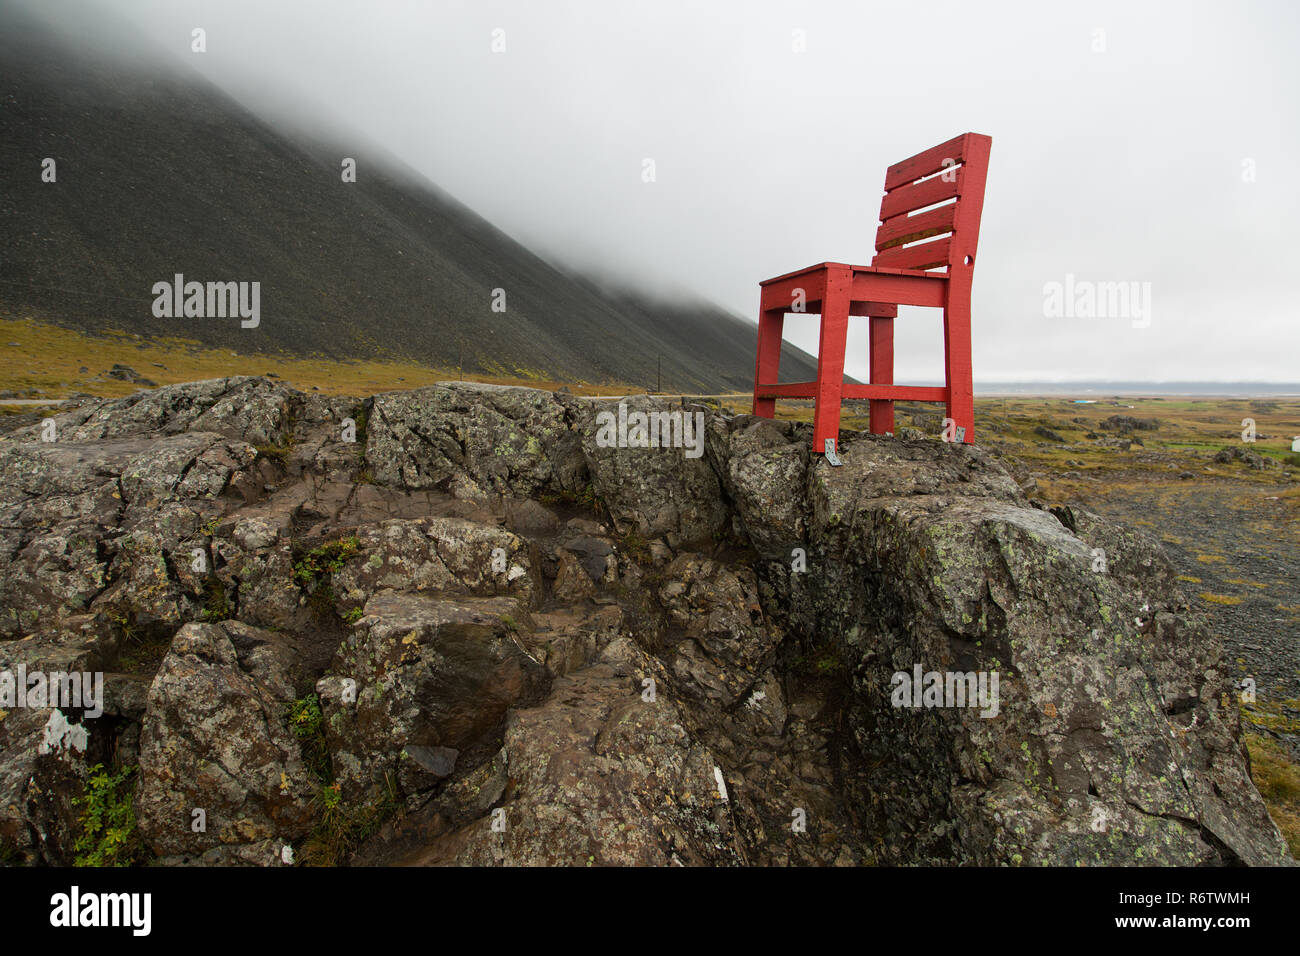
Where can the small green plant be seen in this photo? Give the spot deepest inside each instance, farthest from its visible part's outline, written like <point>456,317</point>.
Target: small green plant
<point>827,664</point>
<point>216,605</point>
<point>325,559</point>
<point>341,828</point>
<point>353,615</point>
<point>362,419</point>
<point>313,570</point>
<point>108,834</point>
<point>307,721</point>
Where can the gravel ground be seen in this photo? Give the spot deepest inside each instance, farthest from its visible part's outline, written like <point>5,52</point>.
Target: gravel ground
<point>1243,542</point>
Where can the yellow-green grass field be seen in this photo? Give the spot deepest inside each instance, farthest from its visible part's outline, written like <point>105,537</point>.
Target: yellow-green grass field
<point>50,358</point>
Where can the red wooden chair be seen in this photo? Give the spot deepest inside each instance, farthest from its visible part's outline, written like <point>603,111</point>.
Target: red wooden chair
<point>905,271</point>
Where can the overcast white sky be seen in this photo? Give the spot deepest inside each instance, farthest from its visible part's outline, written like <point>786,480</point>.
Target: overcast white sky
<point>1120,165</point>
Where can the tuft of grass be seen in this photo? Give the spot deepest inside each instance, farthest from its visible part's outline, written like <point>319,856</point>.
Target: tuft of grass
<point>362,420</point>
<point>216,606</point>
<point>1225,599</point>
<point>826,663</point>
<point>339,829</point>
<point>635,547</point>
<point>1278,780</point>
<point>140,652</point>
<point>586,499</point>
<point>1274,715</point>
<point>277,453</point>
<point>108,834</point>
<point>307,721</point>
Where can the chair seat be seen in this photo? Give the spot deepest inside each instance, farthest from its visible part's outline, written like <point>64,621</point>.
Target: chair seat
<point>881,270</point>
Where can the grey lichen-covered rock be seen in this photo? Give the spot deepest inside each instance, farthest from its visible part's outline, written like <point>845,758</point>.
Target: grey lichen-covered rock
<point>1112,722</point>
<point>243,407</point>
<point>474,441</point>
<point>720,641</point>
<point>216,738</point>
<point>763,465</point>
<point>653,491</point>
<point>425,670</point>
<point>530,646</point>
<point>106,519</point>
<point>440,554</point>
<point>600,777</point>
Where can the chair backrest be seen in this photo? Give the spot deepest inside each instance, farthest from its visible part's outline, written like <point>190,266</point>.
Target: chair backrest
<point>952,173</point>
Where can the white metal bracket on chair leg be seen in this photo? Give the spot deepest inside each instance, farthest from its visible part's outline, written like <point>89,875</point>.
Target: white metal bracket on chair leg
<point>830,453</point>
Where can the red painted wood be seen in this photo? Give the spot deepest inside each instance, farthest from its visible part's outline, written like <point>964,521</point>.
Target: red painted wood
<point>933,160</point>
<point>904,229</point>
<point>787,390</point>
<point>830,355</point>
<point>957,359</point>
<point>923,255</point>
<point>881,363</point>
<point>915,196</point>
<point>767,366</point>
<point>810,270</point>
<point>883,310</point>
<point>912,393</point>
<point>916,288</point>
<point>902,393</point>
<point>956,170</point>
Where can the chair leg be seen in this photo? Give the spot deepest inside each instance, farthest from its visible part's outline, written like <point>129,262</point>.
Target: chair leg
<point>830,356</point>
<point>767,365</point>
<point>957,361</point>
<point>882,368</point>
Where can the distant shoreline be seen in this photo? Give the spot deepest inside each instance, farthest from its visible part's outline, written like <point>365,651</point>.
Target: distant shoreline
<point>1103,390</point>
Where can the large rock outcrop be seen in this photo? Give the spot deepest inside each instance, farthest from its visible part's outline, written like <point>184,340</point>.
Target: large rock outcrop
<point>509,640</point>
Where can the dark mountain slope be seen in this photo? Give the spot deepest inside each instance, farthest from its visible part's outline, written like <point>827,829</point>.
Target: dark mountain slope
<point>160,173</point>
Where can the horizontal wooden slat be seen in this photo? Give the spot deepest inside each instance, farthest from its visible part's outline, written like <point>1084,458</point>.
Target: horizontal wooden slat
<point>927,255</point>
<point>915,393</point>
<point>792,390</point>
<point>926,163</point>
<point>915,196</point>
<point>904,229</point>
